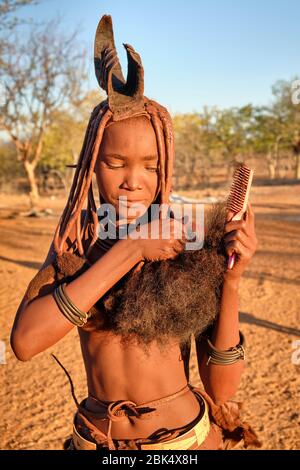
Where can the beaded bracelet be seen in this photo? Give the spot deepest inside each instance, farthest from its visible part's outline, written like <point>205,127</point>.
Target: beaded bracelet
<point>68,308</point>
<point>228,357</point>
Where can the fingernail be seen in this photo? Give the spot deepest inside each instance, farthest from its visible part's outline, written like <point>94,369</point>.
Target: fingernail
<point>231,261</point>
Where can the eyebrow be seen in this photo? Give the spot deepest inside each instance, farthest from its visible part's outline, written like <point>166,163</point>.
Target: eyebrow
<point>122,157</point>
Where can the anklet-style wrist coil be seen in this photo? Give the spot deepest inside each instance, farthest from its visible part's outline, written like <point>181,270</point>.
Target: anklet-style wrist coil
<point>228,357</point>
<point>68,308</point>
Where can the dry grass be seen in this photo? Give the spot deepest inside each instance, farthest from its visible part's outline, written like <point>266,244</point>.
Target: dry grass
<point>36,406</point>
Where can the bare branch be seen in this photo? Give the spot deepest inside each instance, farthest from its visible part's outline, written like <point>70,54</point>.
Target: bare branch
<point>39,77</point>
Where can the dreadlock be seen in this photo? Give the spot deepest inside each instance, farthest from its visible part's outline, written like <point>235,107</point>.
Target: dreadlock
<point>82,189</point>
<point>125,100</point>
<point>169,299</point>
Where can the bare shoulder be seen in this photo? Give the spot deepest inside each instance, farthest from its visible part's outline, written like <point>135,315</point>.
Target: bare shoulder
<point>44,280</point>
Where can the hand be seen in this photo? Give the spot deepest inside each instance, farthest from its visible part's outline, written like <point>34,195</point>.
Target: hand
<point>240,239</point>
<point>168,239</point>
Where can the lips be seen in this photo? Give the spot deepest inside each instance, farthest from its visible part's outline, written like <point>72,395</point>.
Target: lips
<point>131,201</point>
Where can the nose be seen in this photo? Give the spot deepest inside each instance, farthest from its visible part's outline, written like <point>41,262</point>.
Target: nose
<point>132,181</point>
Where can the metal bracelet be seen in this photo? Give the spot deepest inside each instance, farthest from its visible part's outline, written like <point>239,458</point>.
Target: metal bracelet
<point>228,357</point>
<point>68,308</point>
<point>64,309</point>
<point>71,305</point>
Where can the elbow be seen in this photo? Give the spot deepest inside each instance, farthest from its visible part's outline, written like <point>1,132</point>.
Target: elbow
<point>222,393</point>
<point>221,388</point>
<point>19,347</point>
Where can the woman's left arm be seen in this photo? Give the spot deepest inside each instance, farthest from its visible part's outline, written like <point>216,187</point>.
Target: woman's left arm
<point>221,381</point>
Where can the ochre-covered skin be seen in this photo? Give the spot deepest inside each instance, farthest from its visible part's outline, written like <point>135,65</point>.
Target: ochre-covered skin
<point>113,369</point>
<point>131,154</point>
<point>227,427</point>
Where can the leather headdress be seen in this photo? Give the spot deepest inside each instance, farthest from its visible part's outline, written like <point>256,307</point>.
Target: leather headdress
<point>125,98</point>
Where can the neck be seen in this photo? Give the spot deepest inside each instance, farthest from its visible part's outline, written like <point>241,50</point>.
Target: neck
<point>110,232</point>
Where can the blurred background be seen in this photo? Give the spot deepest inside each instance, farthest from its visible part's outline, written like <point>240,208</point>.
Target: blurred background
<point>228,71</point>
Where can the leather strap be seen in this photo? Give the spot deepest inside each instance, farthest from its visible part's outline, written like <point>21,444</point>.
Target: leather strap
<point>193,437</point>
<point>121,409</point>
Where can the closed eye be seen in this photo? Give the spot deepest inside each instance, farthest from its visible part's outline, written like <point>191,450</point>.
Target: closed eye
<point>114,167</point>
<point>154,170</point>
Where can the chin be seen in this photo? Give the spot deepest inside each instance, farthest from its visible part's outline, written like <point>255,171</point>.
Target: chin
<point>129,220</point>
<point>133,212</point>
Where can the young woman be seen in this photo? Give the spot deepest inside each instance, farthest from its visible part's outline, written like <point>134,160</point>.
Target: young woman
<point>138,397</point>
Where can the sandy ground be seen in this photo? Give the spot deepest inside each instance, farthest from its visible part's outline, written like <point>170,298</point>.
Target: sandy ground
<point>36,406</point>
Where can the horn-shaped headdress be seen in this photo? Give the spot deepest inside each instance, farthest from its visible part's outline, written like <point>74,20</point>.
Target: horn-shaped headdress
<point>125,98</point>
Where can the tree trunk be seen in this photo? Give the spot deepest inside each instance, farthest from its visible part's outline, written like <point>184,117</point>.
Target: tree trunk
<point>34,192</point>
<point>272,165</point>
<point>272,169</point>
<point>297,172</point>
<point>273,158</point>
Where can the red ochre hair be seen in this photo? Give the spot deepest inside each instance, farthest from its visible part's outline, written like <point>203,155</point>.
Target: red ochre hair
<point>82,189</point>
<point>125,100</point>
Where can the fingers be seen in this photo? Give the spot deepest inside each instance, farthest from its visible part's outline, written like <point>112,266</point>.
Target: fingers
<point>248,240</point>
<point>229,215</point>
<point>236,235</point>
<point>248,220</point>
<point>235,246</point>
<point>235,225</point>
<point>178,246</point>
<point>139,267</point>
<point>244,225</point>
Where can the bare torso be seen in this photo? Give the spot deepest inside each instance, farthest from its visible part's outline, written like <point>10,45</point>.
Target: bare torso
<point>126,372</point>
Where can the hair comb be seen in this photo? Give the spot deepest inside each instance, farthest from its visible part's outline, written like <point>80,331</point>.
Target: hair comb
<point>238,197</point>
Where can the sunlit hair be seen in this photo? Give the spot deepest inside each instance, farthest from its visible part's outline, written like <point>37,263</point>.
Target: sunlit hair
<point>82,189</point>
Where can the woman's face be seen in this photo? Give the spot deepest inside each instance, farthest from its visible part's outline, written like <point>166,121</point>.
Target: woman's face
<point>127,165</point>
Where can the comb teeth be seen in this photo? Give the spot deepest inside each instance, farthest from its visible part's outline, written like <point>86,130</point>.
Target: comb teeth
<point>239,191</point>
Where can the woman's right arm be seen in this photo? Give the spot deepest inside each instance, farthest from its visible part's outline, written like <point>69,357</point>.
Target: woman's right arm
<point>40,324</point>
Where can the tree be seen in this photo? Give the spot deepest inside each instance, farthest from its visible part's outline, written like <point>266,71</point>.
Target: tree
<point>187,133</point>
<point>9,21</point>
<point>268,133</point>
<point>40,76</point>
<point>276,128</point>
<point>233,131</point>
<point>64,137</point>
<point>288,114</point>
<point>7,7</point>
<point>10,170</point>
<point>194,146</point>
<point>296,149</point>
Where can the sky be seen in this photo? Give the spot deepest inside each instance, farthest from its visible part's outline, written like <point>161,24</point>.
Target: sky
<point>195,53</point>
